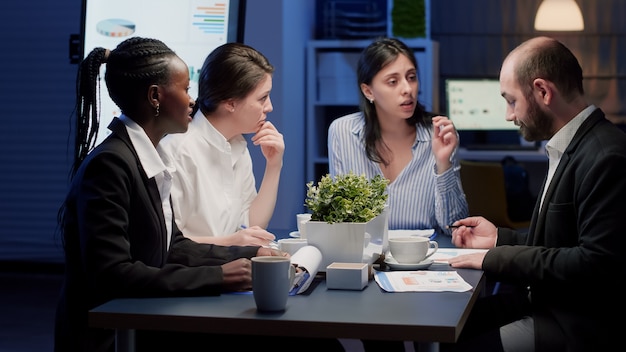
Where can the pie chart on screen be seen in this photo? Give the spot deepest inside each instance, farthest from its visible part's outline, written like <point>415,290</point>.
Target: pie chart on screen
<point>115,27</point>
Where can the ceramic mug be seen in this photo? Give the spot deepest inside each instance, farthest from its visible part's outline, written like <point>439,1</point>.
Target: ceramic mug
<point>301,222</point>
<point>272,278</point>
<point>291,245</point>
<point>412,250</point>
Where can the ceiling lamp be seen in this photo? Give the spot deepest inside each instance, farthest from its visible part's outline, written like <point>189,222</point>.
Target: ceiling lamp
<point>559,15</point>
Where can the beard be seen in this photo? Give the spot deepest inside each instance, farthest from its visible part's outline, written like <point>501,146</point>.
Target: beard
<point>539,126</point>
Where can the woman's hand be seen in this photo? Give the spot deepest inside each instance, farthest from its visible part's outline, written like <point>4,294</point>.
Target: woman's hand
<point>251,236</point>
<point>445,141</point>
<point>266,251</point>
<point>271,142</point>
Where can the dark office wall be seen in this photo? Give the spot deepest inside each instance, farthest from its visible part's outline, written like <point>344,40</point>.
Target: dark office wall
<point>280,29</point>
<point>36,97</point>
<point>475,36</point>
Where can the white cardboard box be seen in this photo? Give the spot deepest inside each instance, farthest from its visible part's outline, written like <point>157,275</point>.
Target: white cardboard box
<point>347,276</point>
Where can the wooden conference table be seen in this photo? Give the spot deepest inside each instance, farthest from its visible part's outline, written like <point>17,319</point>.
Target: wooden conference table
<point>428,317</point>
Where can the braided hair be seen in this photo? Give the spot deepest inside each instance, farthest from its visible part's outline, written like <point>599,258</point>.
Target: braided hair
<point>132,67</point>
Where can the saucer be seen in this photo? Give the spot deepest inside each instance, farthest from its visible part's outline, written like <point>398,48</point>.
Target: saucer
<point>294,234</point>
<point>394,265</point>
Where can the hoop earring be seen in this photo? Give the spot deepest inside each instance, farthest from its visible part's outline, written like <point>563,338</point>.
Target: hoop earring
<point>156,114</point>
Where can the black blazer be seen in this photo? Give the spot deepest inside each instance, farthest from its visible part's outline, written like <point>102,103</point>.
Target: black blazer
<point>115,244</point>
<point>573,256</point>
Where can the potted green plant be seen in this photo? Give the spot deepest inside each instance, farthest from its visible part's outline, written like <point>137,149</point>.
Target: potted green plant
<point>348,218</point>
<point>346,198</point>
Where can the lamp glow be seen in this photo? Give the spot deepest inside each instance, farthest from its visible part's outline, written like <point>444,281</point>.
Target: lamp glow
<point>559,15</point>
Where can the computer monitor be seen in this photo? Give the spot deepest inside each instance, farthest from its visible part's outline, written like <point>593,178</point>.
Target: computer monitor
<point>192,28</point>
<point>476,105</point>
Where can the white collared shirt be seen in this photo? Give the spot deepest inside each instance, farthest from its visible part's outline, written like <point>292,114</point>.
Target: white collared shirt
<point>154,166</point>
<point>558,143</point>
<point>214,184</point>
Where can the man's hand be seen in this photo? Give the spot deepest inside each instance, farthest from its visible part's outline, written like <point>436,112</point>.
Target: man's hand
<point>471,261</point>
<point>474,232</point>
<point>237,275</point>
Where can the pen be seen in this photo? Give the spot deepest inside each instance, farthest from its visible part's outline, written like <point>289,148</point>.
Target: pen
<point>272,244</point>
<point>457,226</point>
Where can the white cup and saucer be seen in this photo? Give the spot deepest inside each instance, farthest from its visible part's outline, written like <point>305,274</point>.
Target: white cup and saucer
<point>410,253</point>
<point>301,219</point>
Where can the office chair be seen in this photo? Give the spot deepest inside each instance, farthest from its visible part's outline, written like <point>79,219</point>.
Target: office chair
<point>483,184</point>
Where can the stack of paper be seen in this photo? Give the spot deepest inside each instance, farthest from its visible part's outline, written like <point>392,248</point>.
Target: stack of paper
<point>409,233</point>
<point>421,281</point>
<point>443,254</point>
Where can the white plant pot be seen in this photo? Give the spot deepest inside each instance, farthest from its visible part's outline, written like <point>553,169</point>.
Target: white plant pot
<point>349,242</point>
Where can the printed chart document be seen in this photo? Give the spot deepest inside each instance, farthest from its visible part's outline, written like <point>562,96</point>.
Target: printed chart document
<point>443,254</point>
<point>421,281</point>
<point>409,233</point>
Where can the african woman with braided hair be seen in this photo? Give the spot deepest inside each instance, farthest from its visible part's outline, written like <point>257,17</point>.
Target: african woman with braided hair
<point>118,229</point>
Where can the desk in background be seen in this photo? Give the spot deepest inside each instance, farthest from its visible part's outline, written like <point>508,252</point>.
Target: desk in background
<point>428,317</point>
<point>537,155</point>
<point>534,161</point>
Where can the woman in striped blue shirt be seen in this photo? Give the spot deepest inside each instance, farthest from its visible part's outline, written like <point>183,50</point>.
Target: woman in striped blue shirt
<point>395,137</point>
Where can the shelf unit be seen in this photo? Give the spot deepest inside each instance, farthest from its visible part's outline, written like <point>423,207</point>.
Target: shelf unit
<point>332,90</point>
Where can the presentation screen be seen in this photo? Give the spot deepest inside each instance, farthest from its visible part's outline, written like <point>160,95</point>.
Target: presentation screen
<point>192,28</point>
<point>476,105</point>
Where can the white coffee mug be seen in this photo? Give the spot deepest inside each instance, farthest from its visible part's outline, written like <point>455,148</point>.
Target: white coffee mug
<point>412,250</point>
<point>272,278</point>
<point>291,245</point>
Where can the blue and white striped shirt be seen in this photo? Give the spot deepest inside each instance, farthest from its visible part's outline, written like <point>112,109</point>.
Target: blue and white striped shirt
<point>418,197</point>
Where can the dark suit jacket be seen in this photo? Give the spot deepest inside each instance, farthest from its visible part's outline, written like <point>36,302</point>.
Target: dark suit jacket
<point>573,256</point>
<point>115,244</point>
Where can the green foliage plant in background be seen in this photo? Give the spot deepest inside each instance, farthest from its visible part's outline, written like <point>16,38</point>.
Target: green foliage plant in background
<point>408,19</point>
